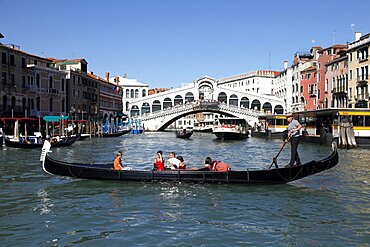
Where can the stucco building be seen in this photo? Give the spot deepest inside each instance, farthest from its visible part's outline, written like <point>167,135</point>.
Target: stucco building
<point>358,71</point>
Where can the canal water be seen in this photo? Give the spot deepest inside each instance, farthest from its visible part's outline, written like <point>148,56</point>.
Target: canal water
<point>327,209</point>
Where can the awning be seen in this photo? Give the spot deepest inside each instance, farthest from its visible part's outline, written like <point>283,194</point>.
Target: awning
<point>54,118</point>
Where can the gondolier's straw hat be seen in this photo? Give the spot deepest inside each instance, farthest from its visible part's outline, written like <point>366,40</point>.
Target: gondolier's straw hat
<point>289,114</point>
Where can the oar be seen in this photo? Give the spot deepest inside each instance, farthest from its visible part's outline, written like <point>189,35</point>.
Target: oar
<point>274,160</point>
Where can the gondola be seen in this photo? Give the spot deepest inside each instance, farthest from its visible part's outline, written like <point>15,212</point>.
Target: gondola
<point>246,177</point>
<point>61,143</point>
<point>184,134</point>
<point>117,134</point>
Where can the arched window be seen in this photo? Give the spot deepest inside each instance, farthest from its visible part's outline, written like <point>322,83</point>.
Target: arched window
<point>145,108</point>
<point>256,105</point>
<point>50,82</point>
<point>136,93</point>
<point>167,103</point>
<point>143,94</point>
<point>38,80</point>
<point>127,105</point>
<point>156,106</point>
<point>222,97</point>
<point>178,100</point>
<point>278,109</point>
<point>5,103</point>
<point>24,103</point>
<point>132,93</point>
<point>244,102</point>
<point>51,105</point>
<point>127,94</point>
<point>134,111</point>
<point>13,102</point>
<point>38,103</point>
<point>189,97</point>
<point>233,100</point>
<point>267,107</point>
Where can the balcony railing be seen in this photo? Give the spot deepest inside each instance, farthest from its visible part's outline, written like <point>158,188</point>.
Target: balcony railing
<point>362,97</point>
<point>313,93</point>
<point>339,90</point>
<point>363,79</point>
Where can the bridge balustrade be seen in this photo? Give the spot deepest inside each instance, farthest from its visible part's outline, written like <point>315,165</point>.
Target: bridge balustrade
<point>199,105</point>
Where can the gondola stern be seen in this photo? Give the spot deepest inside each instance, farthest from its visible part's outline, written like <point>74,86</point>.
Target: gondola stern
<point>44,152</point>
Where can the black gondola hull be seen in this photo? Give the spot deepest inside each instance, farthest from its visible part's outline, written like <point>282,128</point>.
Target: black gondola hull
<point>116,134</point>
<point>63,143</point>
<point>248,177</point>
<point>186,135</point>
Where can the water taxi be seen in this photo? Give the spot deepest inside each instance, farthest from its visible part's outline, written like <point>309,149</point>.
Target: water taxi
<point>270,126</point>
<point>230,128</point>
<point>347,126</point>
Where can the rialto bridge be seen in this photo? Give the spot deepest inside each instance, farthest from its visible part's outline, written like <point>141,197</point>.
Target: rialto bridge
<point>159,110</point>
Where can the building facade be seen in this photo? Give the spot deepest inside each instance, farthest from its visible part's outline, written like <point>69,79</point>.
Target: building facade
<point>82,89</point>
<point>308,88</point>
<point>336,82</point>
<point>358,70</point>
<point>30,85</point>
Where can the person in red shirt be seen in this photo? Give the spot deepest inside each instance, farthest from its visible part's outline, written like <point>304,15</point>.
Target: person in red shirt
<point>159,161</point>
<point>118,161</point>
<point>182,164</point>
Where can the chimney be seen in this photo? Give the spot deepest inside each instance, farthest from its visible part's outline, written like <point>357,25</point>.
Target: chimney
<point>124,75</point>
<point>107,76</point>
<point>285,64</point>
<point>117,80</point>
<point>357,35</point>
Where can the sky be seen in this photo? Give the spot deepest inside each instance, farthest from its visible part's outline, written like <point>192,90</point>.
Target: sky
<point>168,43</point>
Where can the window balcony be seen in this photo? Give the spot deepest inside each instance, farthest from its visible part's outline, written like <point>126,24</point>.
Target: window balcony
<point>362,80</point>
<point>313,93</point>
<point>362,97</point>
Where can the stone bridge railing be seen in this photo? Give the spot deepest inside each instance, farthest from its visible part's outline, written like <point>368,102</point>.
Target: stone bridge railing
<point>200,106</point>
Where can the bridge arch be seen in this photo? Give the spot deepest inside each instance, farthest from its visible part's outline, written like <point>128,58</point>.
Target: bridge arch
<point>244,102</point>
<point>169,122</point>
<point>278,109</point>
<point>189,97</point>
<point>256,105</point>
<point>145,108</point>
<point>267,107</point>
<point>222,97</point>
<point>178,100</point>
<point>233,100</point>
<point>167,103</point>
<point>134,111</point>
<point>156,106</point>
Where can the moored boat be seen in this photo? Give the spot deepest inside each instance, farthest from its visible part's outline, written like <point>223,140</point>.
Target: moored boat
<point>38,143</point>
<point>117,134</point>
<point>247,177</point>
<point>230,129</point>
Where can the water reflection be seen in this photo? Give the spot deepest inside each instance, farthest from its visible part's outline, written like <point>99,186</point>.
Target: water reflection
<point>331,208</point>
<point>45,205</point>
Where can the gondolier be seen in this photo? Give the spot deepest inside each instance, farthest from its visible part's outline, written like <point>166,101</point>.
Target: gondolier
<point>294,135</point>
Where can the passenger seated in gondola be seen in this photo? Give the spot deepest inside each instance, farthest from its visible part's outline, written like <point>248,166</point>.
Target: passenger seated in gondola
<point>210,164</point>
<point>118,161</point>
<point>213,165</point>
<point>173,162</point>
<point>159,162</point>
<point>182,164</point>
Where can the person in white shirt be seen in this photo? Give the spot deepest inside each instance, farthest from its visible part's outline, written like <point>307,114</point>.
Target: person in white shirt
<point>172,162</point>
